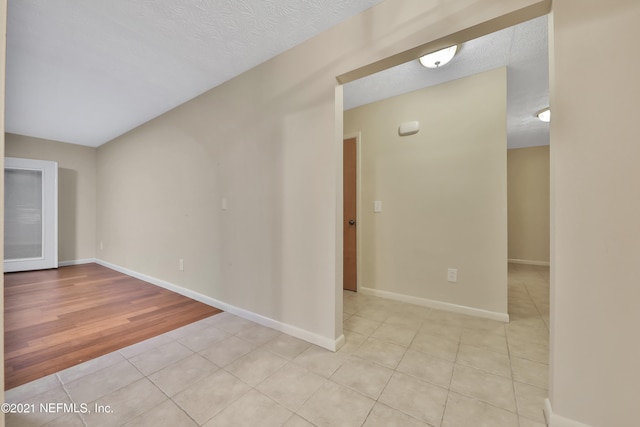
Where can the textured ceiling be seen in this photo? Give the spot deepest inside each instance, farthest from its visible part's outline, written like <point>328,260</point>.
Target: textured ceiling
<point>87,71</point>
<point>523,49</point>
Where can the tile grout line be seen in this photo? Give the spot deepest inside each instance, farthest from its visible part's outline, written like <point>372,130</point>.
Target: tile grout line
<point>63,385</point>
<point>446,402</point>
<point>167,334</point>
<point>536,306</point>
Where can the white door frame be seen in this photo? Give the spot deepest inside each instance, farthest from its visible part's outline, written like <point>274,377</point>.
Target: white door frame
<point>49,256</point>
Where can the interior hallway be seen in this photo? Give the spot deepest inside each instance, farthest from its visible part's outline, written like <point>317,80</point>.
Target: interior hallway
<point>401,365</point>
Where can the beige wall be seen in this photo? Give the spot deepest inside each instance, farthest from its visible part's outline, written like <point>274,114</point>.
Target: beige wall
<point>594,152</point>
<point>76,191</point>
<point>528,204</point>
<point>269,141</point>
<point>443,193</point>
<point>595,279</point>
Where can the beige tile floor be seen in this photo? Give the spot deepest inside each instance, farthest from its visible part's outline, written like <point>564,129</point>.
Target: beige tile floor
<point>402,365</point>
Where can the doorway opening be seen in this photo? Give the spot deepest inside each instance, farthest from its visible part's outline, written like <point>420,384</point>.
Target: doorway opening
<point>522,49</point>
<point>350,180</point>
<point>31,214</point>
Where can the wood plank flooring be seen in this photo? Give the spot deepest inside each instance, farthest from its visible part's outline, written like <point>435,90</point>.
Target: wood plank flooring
<point>55,319</point>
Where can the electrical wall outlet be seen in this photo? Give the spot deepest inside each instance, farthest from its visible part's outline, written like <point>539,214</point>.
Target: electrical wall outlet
<point>452,275</point>
<point>181,264</point>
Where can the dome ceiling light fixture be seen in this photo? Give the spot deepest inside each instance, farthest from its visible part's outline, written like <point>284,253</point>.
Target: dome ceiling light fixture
<point>439,58</point>
<point>544,115</point>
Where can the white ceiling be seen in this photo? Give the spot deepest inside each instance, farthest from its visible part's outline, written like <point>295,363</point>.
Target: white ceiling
<point>87,71</point>
<point>523,49</point>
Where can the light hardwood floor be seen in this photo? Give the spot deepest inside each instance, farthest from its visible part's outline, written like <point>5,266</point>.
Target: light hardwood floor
<point>55,319</point>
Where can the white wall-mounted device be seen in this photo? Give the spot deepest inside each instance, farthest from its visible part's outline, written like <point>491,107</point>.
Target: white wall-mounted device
<point>408,128</point>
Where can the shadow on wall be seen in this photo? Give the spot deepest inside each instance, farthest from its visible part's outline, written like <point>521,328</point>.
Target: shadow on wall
<point>67,217</point>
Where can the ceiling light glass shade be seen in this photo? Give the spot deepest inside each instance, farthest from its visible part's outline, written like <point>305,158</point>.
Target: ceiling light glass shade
<point>544,115</point>
<point>439,58</point>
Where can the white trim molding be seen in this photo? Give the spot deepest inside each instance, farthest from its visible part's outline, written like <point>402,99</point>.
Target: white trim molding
<point>555,420</point>
<point>529,262</point>
<point>76,262</point>
<point>303,334</point>
<point>425,302</point>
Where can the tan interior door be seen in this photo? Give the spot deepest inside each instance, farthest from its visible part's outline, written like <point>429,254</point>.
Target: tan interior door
<point>350,277</point>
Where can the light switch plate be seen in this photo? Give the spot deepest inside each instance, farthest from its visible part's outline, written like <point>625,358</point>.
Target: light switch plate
<point>377,206</point>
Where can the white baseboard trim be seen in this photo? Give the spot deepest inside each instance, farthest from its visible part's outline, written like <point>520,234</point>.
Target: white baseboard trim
<point>555,420</point>
<point>76,262</point>
<point>339,342</point>
<point>546,409</point>
<point>286,328</point>
<point>529,262</point>
<point>425,302</point>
